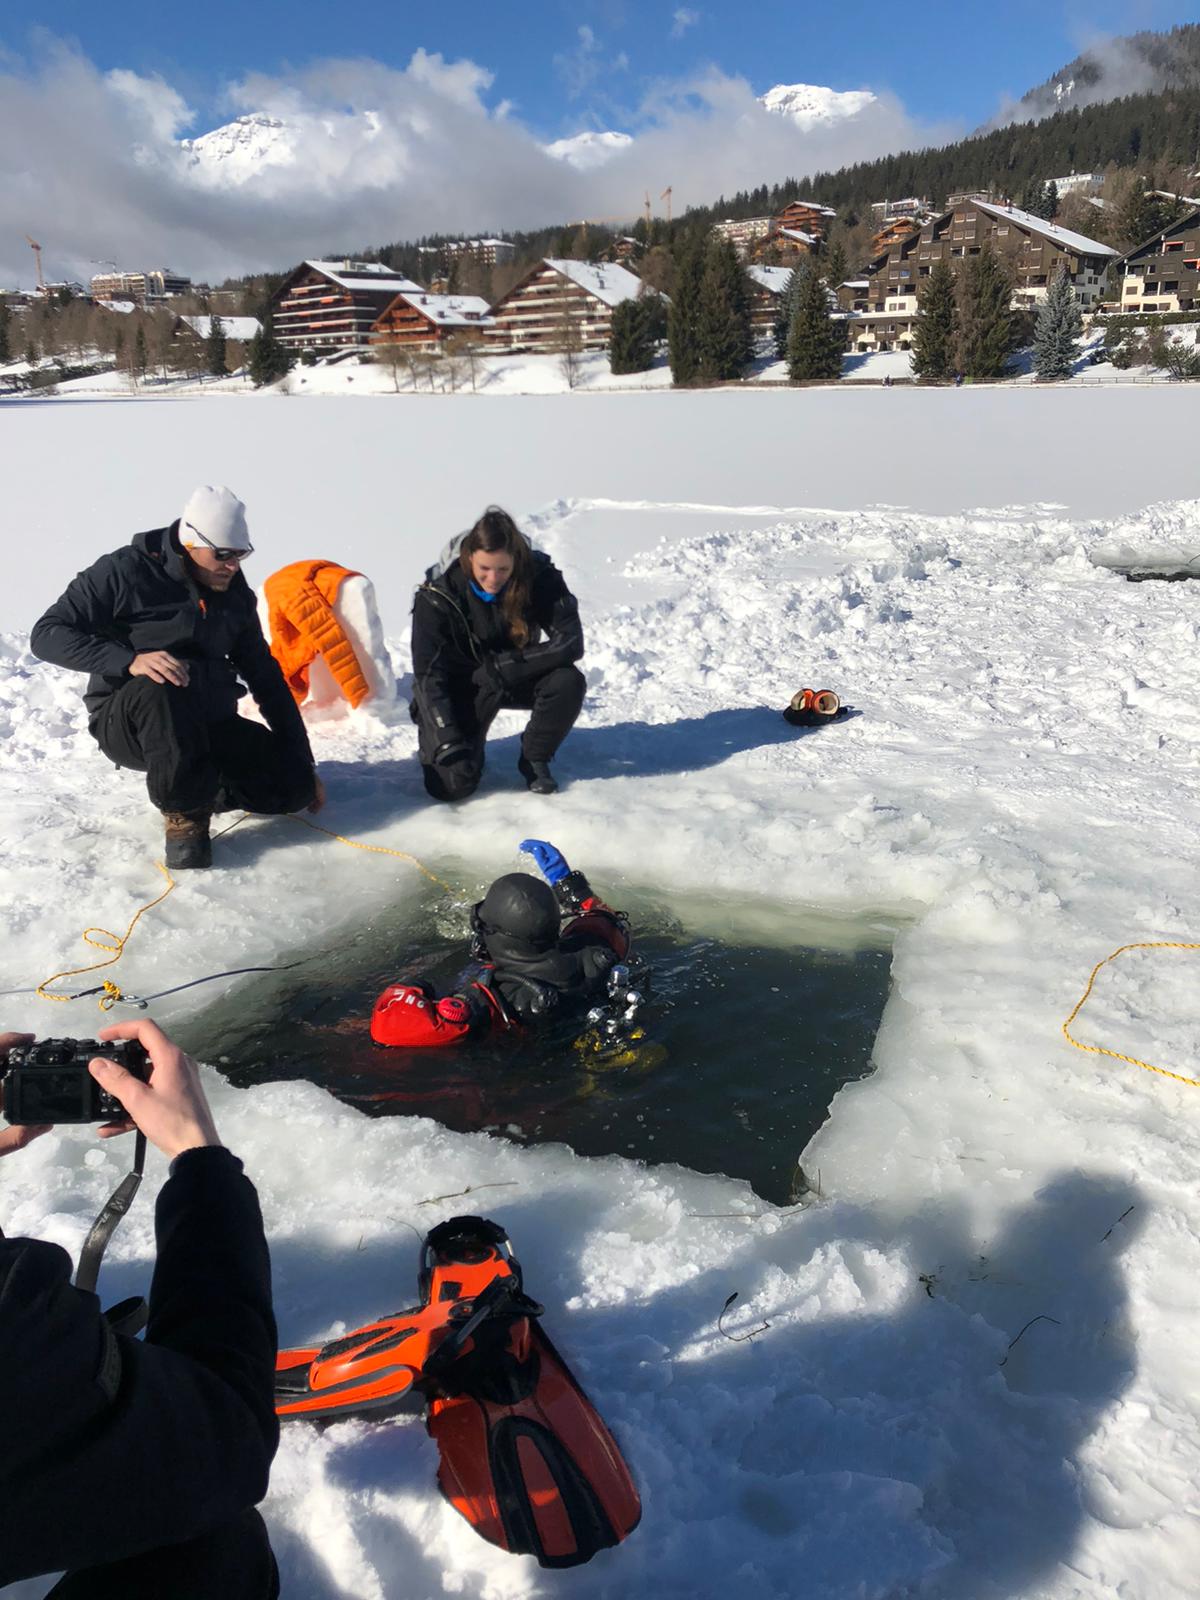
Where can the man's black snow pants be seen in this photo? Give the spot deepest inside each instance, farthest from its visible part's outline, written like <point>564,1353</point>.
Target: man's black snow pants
<point>554,700</point>
<point>197,766</point>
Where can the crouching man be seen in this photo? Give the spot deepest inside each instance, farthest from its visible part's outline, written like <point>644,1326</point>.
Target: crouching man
<point>136,1466</point>
<point>166,627</point>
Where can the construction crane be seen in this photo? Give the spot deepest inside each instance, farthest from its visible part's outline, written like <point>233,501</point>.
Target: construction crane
<point>37,256</point>
<point>666,195</point>
<point>647,210</point>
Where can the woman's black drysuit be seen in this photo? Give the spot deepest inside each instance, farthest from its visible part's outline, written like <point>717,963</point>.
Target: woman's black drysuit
<point>466,668</point>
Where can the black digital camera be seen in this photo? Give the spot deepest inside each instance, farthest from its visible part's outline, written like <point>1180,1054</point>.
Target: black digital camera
<point>49,1081</point>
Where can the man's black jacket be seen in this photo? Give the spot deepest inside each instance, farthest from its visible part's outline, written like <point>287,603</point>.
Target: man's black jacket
<point>142,598</point>
<point>456,635</point>
<point>110,1447</point>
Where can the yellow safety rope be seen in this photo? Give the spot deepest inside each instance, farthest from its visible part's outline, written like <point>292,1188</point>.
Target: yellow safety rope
<point>376,849</point>
<point>1098,1049</point>
<point>116,945</point>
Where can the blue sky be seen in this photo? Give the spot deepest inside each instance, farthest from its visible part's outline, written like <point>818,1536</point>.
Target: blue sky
<point>569,66</point>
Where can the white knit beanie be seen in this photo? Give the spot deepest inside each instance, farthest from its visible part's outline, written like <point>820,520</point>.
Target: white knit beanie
<point>218,517</point>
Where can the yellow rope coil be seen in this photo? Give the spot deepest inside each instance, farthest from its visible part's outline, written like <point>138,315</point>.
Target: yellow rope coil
<point>116,944</point>
<point>1099,1049</point>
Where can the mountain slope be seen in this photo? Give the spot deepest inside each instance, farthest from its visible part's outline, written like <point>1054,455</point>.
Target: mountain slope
<point>1140,63</point>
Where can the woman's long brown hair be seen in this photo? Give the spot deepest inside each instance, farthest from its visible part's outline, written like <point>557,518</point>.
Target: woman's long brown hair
<point>494,531</point>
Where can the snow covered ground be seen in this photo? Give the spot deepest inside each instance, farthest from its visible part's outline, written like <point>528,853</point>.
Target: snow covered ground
<point>506,375</point>
<point>980,1378</point>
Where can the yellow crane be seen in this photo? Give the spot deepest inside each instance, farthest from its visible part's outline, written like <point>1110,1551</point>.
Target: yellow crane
<point>666,195</point>
<point>37,256</point>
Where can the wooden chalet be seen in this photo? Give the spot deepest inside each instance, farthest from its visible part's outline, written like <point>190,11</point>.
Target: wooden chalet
<point>561,300</point>
<point>423,321</point>
<point>768,285</point>
<point>1163,273</point>
<point>1036,251</point>
<point>803,216</point>
<point>330,305</point>
<point>195,331</point>
<point>892,232</point>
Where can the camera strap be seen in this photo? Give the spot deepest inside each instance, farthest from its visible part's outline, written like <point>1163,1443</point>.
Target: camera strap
<point>105,1225</point>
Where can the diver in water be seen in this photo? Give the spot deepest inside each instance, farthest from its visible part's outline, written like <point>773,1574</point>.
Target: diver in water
<point>539,948</point>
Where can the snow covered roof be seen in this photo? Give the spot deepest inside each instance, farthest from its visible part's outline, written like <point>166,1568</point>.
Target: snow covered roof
<point>242,328</point>
<point>371,275</point>
<point>612,285</point>
<point>773,279</point>
<point>809,205</point>
<point>451,310</point>
<point>795,233</point>
<point>1063,236</point>
<point>855,283</point>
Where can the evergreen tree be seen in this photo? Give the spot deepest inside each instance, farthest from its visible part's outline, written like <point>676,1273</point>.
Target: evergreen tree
<point>935,343</point>
<point>988,328</point>
<point>723,323</point>
<point>5,347</point>
<point>787,307</point>
<point>637,327</point>
<point>266,359</point>
<point>1050,199</point>
<point>628,350</point>
<point>683,341</point>
<point>214,346</point>
<point>141,359</point>
<point>815,340</point>
<point>1059,325</point>
<point>834,265</point>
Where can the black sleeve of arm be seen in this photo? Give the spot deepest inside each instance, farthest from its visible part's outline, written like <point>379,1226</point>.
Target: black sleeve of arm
<point>79,630</point>
<point>564,642</point>
<point>113,1447</point>
<point>433,649</point>
<point>254,662</point>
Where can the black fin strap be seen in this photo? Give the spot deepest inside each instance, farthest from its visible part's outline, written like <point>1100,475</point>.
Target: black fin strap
<point>105,1225</point>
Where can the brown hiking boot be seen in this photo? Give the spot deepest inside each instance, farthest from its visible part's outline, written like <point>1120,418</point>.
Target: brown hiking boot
<point>188,844</point>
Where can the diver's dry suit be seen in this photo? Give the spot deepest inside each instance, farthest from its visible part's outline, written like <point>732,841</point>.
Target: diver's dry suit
<point>540,949</point>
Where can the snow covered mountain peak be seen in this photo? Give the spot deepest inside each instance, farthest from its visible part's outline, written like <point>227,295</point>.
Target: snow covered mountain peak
<point>233,153</point>
<point>810,106</point>
<point>587,151</point>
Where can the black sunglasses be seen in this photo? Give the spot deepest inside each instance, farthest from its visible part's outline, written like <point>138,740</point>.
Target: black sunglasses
<point>221,553</point>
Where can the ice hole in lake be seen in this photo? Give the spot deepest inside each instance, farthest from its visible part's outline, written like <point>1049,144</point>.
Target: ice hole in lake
<point>757,1014</point>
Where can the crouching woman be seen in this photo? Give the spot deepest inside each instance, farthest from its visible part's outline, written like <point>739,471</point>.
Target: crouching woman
<point>494,627</point>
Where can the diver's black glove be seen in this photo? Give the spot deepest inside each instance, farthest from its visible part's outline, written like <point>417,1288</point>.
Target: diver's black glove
<point>573,892</point>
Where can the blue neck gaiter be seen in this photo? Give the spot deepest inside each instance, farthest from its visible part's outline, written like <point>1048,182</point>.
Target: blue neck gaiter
<point>482,594</point>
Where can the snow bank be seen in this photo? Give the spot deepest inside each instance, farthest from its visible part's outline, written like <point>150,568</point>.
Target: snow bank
<point>978,1376</point>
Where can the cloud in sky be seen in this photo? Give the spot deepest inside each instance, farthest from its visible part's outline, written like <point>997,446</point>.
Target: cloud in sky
<point>370,154</point>
<point>683,19</point>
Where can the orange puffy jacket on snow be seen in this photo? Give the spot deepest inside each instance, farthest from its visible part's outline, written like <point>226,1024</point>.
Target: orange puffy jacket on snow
<point>302,626</point>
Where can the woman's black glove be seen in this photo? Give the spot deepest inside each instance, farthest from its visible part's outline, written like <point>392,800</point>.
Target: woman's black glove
<point>451,753</point>
<point>489,674</point>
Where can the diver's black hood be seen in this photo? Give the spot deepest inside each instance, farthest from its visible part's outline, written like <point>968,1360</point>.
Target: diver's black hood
<point>518,917</point>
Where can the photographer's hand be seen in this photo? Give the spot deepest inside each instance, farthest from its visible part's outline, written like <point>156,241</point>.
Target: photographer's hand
<point>170,1109</point>
<point>16,1138</point>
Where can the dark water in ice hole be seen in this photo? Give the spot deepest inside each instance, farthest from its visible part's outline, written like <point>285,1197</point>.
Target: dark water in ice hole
<point>758,1036</point>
